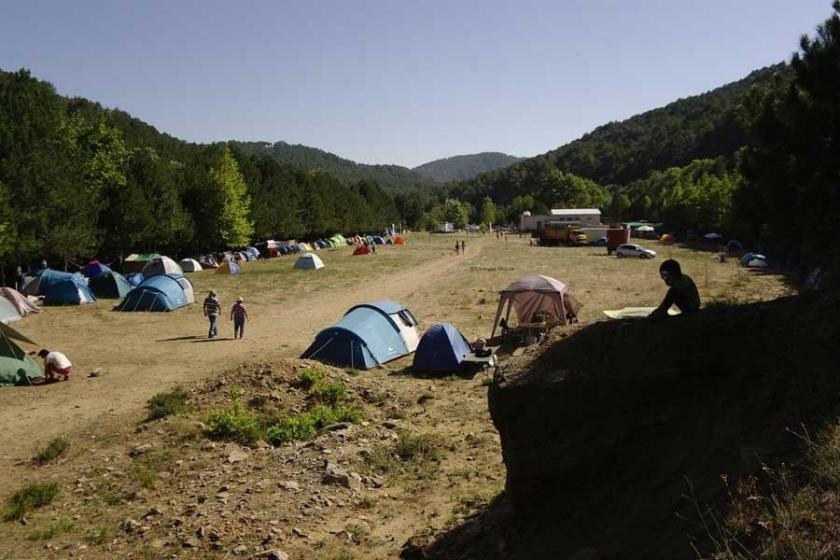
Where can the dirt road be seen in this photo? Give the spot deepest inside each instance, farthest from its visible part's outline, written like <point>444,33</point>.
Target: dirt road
<point>151,354</point>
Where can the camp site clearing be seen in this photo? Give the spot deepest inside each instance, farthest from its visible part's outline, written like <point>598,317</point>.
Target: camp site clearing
<point>144,354</point>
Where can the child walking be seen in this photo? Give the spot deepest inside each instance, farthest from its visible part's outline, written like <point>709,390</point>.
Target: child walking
<point>238,315</point>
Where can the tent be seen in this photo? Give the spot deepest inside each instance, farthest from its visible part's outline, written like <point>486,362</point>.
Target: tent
<point>8,312</point>
<point>733,247</point>
<point>667,239</point>
<point>207,261</point>
<point>20,302</point>
<point>228,267</point>
<point>367,336</point>
<point>162,292</point>
<point>309,261</point>
<point>16,367</point>
<point>189,265</point>
<point>68,292</point>
<point>94,269</point>
<point>399,240</point>
<point>110,285</point>
<point>136,262</point>
<point>135,279</point>
<point>253,251</point>
<point>46,277</point>
<point>161,265</point>
<point>600,242</point>
<point>754,260</point>
<point>712,236</point>
<point>361,250</point>
<point>379,240</point>
<point>441,350</point>
<point>535,294</point>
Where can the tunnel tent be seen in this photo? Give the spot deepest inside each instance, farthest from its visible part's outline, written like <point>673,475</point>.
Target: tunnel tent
<point>441,350</point>
<point>537,295</point>
<point>110,285</point>
<point>161,265</point>
<point>16,367</point>
<point>93,269</point>
<point>20,302</point>
<point>190,265</point>
<point>162,292</point>
<point>367,336</point>
<point>309,261</point>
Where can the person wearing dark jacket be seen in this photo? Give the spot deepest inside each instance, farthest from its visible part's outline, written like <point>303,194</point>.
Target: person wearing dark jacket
<point>681,290</point>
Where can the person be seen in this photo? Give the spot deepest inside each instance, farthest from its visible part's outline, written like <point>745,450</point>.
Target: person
<point>681,290</point>
<point>457,248</point>
<point>238,314</point>
<point>212,307</point>
<point>56,365</point>
<point>463,247</point>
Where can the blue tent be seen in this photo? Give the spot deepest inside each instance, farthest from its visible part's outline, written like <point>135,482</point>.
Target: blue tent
<point>110,285</point>
<point>68,292</point>
<point>135,279</point>
<point>378,240</point>
<point>441,350</point>
<point>46,277</point>
<point>94,269</point>
<point>601,242</point>
<point>161,292</point>
<point>754,260</point>
<point>367,336</point>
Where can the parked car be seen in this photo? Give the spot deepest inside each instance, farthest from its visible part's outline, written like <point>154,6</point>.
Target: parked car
<point>630,250</point>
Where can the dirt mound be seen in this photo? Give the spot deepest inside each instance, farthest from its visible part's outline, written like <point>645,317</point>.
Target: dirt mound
<point>612,436</point>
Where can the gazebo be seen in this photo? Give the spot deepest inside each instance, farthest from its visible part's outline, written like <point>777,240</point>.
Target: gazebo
<point>537,298</point>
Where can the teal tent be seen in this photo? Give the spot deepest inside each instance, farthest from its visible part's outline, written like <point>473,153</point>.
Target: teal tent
<point>16,367</point>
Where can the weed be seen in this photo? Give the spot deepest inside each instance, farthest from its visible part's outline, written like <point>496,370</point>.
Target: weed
<point>234,424</point>
<point>486,381</point>
<point>100,535</point>
<point>309,377</point>
<point>395,413</point>
<point>146,468</point>
<point>329,393</point>
<point>30,497</point>
<point>306,424</point>
<point>52,530</point>
<point>367,502</point>
<point>357,531</point>
<point>166,404</point>
<point>419,448</point>
<point>53,450</point>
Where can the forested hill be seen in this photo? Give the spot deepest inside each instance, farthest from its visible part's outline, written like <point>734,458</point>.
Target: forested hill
<point>461,168</point>
<point>704,126</point>
<point>392,178</point>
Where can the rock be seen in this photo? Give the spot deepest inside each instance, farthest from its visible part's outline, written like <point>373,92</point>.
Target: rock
<point>290,485</point>
<point>190,542</point>
<point>152,512</point>
<point>275,554</point>
<point>390,425</point>
<point>96,373</point>
<point>138,450</point>
<point>130,525</point>
<point>337,426</point>
<point>236,456</point>
<point>240,549</point>
<point>333,474</point>
<point>299,533</point>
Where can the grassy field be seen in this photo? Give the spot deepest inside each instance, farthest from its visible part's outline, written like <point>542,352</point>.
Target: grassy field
<point>144,354</point>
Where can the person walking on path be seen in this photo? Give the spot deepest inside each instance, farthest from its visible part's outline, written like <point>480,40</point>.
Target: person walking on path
<point>212,308</point>
<point>238,315</point>
<point>457,248</point>
<point>463,247</point>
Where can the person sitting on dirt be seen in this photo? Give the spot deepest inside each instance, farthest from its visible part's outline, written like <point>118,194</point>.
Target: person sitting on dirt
<point>480,348</point>
<point>56,366</point>
<point>681,290</point>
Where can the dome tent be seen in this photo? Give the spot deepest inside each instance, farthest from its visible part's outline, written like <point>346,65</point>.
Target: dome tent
<point>441,350</point>
<point>94,269</point>
<point>110,285</point>
<point>46,277</point>
<point>537,294</point>
<point>161,265</point>
<point>309,261</point>
<point>68,292</point>
<point>23,306</point>
<point>16,367</point>
<point>228,267</point>
<point>189,265</point>
<point>8,312</point>
<point>162,292</point>
<point>754,260</point>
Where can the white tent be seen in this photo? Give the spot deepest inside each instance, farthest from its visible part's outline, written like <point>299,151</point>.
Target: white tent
<point>309,261</point>
<point>189,265</point>
<point>537,295</point>
<point>161,265</point>
<point>8,313</point>
<point>21,303</point>
<point>187,286</point>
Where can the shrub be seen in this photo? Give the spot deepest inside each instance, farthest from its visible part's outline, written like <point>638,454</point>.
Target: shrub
<point>418,448</point>
<point>29,497</point>
<point>305,425</point>
<point>309,377</point>
<point>166,404</point>
<point>234,424</point>
<point>53,450</point>
<point>330,393</point>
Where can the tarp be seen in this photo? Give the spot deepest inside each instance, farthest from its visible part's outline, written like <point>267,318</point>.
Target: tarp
<point>161,292</point>
<point>161,265</point>
<point>365,337</point>
<point>94,269</point>
<point>535,294</point>
<point>309,261</point>
<point>441,350</point>
<point>635,312</point>
<point>16,367</point>
<point>189,265</point>
<point>110,285</point>
<point>68,292</point>
<point>228,267</point>
<point>21,303</point>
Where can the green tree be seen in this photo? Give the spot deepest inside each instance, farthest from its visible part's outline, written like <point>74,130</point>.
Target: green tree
<point>454,211</point>
<point>234,203</point>
<point>488,212</point>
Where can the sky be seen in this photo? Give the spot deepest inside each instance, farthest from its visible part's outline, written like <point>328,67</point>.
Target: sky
<point>396,81</point>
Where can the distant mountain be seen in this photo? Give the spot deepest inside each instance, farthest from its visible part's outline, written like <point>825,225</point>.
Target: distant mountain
<point>392,178</point>
<point>462,168</point>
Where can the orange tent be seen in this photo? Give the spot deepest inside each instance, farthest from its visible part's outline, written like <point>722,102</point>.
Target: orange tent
<point>667,239</point>
<point>400,240</point>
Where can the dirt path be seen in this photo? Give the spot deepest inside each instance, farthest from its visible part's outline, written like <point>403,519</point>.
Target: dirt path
<point>154,355</point>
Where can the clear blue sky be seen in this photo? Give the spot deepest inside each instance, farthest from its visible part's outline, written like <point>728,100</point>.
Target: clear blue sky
<point>396,81</point>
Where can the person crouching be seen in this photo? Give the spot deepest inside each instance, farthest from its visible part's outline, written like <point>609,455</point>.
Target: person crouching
<point>56,366</point>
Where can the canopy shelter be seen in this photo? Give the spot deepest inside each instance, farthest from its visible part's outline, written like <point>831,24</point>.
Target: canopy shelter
<point>368,335</point>
<point>110,285</point>
<point>162,292</point>
<point>161,265</point>
<point>16,367</point>
<point>189,265</point>
<point>93,269</point>
<point>441,350</point>
<point>309,261</point>
<point>537,299</point>
<point>21,303</point>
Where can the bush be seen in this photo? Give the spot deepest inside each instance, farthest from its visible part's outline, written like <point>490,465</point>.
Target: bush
<point>305,425</point>
<point>29,497</point>
<point>418,448</point>
<point>234,425</point>
<point>330,393</point>
<point>53,450</point>
<point>165,404</point>
<point>309,377</point>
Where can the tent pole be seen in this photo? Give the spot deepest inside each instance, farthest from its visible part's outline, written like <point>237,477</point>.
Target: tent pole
<point>498,314</point>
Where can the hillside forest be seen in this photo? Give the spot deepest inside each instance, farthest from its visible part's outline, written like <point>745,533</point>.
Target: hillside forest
<point>755,159</point>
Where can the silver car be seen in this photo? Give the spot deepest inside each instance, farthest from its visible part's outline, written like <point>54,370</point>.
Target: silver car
<point>630,250</point>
